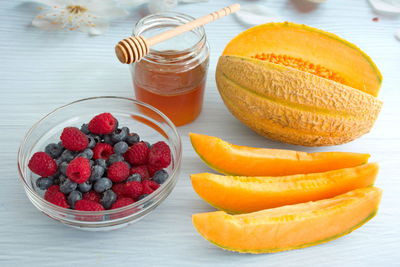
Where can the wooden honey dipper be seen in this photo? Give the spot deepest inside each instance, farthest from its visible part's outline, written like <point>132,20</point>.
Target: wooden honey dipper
<point>134,48</point>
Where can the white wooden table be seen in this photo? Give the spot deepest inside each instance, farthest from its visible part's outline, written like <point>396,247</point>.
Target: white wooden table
<point>40,71</point>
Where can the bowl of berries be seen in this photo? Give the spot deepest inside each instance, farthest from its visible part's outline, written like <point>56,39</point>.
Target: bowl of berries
<point>100,163</point>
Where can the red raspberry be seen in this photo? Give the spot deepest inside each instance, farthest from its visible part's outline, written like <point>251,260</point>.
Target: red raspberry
<point>102,151</point>
<point>88,205</point>
<point>56,197</point>
<point>160,155</point>
<point>118,189</point>
<point>142,170</point>
<point>92,196</point>
<point>152,169</point>
<point>42,164</point>
<point>149,186</point>
<point>103,123</point>
<point>137,154</point>
<point>118,171</point>
<point>73,139</point>
<point>121,202</point>
<point>78,170</point>
<point>133,189</point>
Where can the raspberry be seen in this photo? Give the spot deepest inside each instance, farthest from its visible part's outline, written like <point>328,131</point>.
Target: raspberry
<point>73,139</point>
<point>133,189</point>
<point>121,202</point>
<point>102,151</point>
<point>142,170</point>
<point>118,189</point>
<point>153,169</point>
<point>54,196</point>
<point>92,196</point>
<point>88,205</point>
<point>160,155</point>
<point>103,123</point>
<point>118,171</point>
<point>78,170</point>
<point>149,186</point>
<point>42,164</point>
<point>137,154</point>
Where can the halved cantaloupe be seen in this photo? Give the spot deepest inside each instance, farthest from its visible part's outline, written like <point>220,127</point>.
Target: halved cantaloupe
<point>239,194</point>
<point>290,227</point>
<point>248,161</point>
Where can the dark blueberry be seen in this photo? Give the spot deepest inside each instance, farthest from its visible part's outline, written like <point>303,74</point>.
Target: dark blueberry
<point>54,150</point>
<point>44,183</point>
<point>120,134</point>
<point>92,141</point>
<point>132,138</point>
<point>87,153</point>
<point>63,167</point>
<point>68,186</point>
<point>160,176</point>
<point>59,161</point>
<point>85,187</point>
<point>102,185</point>
<point>101,162</point>
<point>108,199</point>
<point>97,173</point>
<point>107,139</point>
<point>114,158</point>
<point>85,128</point>
<point>68,155</point>
<point>96,138</point>
<point>91,162</point>
<point>142,196</point>
<point>134,178</point>
<point>120,147</point>
<point>59,180</point>
<point>73,197</point>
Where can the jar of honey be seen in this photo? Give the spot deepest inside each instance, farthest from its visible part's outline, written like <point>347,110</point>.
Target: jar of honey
<point>172,76</point>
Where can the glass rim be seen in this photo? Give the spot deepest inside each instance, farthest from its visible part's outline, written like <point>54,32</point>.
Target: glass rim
<point>156,193</point>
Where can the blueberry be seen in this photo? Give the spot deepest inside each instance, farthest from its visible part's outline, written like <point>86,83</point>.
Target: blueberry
<point>59,180</point>
<point>101,162</point>
<point>96,138</point>
<point>102,185</point>
<point>134,178</point>
<point>108,199</point>
<point>73,197</point>
<point>132,138</point>
<point>120,147</point>
<point>107,139</point>
<point>85,128</point>
<point>59,161</point>
<point>68,186</point>
<point>54,150</point>
<point>68,155</point>
<point>87,153</point>
<point>120,134</point>
<point>92,141</point>
<point>142,196</point>
<point>91,162</point>
<point>63,167</point>
<point>97,173</point>
<point>160,176</point>
<point>114,158</point>
<point>85,187</point>
<point>44,183</point>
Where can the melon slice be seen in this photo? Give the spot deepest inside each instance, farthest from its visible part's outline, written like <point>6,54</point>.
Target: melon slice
<point>290,227</point>
<point>238,194</point>
<point>248,161</point>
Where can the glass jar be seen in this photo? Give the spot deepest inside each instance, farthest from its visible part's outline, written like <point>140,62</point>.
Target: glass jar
<point>172,76</point>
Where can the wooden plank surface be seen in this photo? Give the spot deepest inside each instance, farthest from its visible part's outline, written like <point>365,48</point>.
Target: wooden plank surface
<point>41,70</point>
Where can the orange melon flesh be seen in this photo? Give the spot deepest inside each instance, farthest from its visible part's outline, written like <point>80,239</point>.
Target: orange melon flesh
<point>323,52</point>
<point>239,194</point>
<point>248,161</point>
<point>290,227</point>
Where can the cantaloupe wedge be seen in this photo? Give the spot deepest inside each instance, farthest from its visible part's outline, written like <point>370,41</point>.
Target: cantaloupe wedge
<point>239,194</point>
<point>290,227</point>
<point>248,161</point>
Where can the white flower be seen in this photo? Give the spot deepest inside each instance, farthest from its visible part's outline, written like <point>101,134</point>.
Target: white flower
<point>89,16</point>
<point>155,6</point>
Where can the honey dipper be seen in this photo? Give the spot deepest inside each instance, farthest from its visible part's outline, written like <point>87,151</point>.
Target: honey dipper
<point>132,49</point>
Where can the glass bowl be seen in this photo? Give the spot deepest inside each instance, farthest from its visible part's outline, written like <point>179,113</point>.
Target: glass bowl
<point>145,120</point>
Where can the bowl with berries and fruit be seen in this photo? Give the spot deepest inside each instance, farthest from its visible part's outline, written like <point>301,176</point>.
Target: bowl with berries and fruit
<point>100,163</point>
